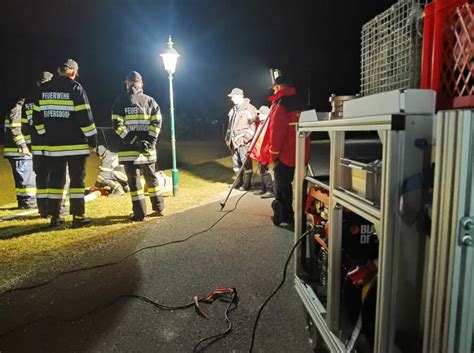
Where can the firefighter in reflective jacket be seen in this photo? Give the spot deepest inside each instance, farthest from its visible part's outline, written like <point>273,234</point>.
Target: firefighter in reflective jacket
<point>136,118</point>
<point>19,156</point>
<point>40,165</point>
<point>63,115</point>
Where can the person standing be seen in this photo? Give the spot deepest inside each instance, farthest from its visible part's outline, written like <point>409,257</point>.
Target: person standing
<point>266,190</point>
<point>19,156</point>
<point>240,132</point>
<point>40,165</point>
<point>284,115</point>
<point>63,115</point>
<point>136,118</point>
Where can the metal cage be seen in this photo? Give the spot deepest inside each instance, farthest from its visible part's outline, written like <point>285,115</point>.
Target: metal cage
<point>391,49</point>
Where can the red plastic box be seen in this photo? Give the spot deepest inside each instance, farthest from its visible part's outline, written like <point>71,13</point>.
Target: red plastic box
<point>448,52</point>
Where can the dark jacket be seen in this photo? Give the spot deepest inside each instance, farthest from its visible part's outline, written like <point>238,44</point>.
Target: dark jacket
<point>16,133</point>
<point>136,117</point>
<point>62,114</point>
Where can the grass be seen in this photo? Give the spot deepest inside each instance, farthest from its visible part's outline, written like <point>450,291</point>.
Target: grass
<point>27,245</point>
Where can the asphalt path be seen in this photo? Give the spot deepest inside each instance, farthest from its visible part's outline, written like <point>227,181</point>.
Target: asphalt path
<point>86,311</point>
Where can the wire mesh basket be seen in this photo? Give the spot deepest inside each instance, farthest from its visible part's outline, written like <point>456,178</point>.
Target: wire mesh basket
<point>391,48</point>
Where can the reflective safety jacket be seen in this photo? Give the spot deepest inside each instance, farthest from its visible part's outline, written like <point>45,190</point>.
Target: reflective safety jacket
<point>16,133</point>
<point>62,113</point>
<point>136,117</point>
<point>33,139</point>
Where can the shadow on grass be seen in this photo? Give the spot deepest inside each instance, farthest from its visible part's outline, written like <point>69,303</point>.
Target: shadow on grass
<point>210,171</point>
<point>19,230</point>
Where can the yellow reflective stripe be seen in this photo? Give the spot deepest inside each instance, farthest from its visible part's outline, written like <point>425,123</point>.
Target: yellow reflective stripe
<point>88,128</point>
<point>39,127</point>
<point>11,149</point>
<point>135,153</point>
<point>24,120</point>
<point>66,148</point>
<point>15,125</point>
<point>29,111</point>
<point>136,193</point>
<point>117,117</point>
<point>37,147</point>
<point>154,117</point>
<point>152,128</point>
<point>27,137</point>
<point>55,102</point>
<point>154,189</point>
<point>18,138</point>
<point>137,117</point>
<point>82,107</point>
<point>56,191</point>
<point>128,153</point>
<point>76,190</point>
<point>120,129</point>
<point>26,189</point>
<point>36,108</point>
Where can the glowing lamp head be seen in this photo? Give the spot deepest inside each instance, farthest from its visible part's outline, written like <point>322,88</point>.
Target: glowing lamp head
<point>170,57</point>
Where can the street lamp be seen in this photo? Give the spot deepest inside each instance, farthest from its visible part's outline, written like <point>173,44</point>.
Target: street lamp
<point>170,58</point>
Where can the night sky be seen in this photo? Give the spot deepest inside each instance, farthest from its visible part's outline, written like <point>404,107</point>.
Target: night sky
<point>222,43</point>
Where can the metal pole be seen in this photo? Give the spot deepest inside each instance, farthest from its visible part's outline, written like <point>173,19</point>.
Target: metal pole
<point>174,171</point>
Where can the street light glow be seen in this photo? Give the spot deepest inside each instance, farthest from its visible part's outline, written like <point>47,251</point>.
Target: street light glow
<point>170,57</point>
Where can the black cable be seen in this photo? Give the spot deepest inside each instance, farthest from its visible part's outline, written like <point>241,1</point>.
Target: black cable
<point>276,289</point>
<point>222,335</point>
<point>127,256</point>
<point>233,301</point>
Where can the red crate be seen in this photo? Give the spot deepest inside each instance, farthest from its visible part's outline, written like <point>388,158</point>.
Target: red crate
<point>448,52</point>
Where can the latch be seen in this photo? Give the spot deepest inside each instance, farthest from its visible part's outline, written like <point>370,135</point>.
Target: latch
<point>466,234</point>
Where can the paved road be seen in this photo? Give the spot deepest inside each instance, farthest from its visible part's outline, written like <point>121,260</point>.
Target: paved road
<point>80,312</point>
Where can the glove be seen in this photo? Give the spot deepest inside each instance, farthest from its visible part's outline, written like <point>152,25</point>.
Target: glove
<point>143,146</point>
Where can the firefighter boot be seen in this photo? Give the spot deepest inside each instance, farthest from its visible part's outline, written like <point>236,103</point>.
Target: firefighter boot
<point>268,182</point>
<point>80,221</point>
<point>56,222</point>
<point>247,181</point>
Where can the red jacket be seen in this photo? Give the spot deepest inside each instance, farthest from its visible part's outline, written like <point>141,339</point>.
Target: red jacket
<point>284,115</point>
<point>262,143</point>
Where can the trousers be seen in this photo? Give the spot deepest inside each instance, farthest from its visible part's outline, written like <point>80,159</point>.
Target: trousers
<point>57,179</point>
<point>283,189</point>
<point>238,158</point>
<point>25,185</point>
<point>40,166</point>
<point>136,188</point>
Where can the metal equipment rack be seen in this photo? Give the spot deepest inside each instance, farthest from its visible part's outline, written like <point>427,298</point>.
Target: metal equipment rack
<point>401,247</point>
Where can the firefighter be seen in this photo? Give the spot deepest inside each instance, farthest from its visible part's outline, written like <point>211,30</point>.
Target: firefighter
<point>136,118</point>
<point>63,115</point>
<point>40,165</point>
<point>240,132</point>
<point>112,176</point>
<point>19,155</point>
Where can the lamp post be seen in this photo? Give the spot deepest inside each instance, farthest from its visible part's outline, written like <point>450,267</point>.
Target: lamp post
<point>170,58</point>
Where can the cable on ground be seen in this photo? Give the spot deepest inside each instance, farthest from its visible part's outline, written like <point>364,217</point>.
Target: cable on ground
<point>276,289</point>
